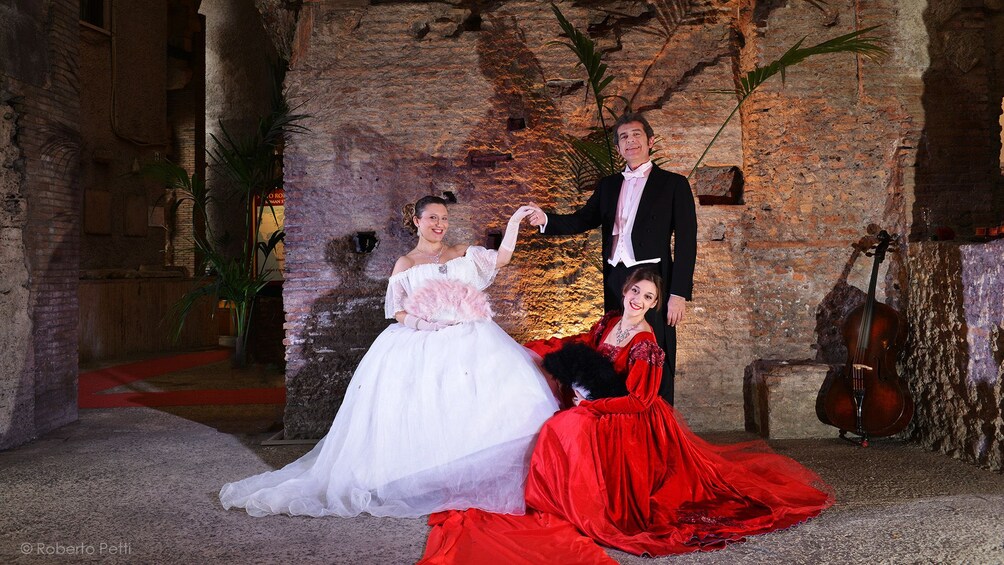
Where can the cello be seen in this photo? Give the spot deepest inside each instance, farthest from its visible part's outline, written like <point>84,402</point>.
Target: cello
<point>869,399</point>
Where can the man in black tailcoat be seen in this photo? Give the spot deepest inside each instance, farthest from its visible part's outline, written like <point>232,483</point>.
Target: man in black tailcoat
<point>639,211</point>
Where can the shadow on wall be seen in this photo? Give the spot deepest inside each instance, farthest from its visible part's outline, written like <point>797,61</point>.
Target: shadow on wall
<point>340,328</point>
<point>957,165</point>
<point>553,286</point>
<point>831,316</point>
<point>374,177</point>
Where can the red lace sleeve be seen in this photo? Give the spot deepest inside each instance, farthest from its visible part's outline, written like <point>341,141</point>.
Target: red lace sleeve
<point>645,360</point>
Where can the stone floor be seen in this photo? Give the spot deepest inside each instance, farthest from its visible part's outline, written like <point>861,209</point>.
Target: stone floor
<point>139,485</point>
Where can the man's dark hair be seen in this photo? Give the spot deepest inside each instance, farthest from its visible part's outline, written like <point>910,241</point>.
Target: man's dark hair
<point>629,117</point>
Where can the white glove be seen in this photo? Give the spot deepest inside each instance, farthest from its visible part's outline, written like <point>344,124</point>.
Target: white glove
<point>421,324</point>
<point>512,229</point>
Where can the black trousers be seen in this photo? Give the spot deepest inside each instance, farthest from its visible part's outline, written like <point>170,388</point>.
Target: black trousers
<point>613,299</point>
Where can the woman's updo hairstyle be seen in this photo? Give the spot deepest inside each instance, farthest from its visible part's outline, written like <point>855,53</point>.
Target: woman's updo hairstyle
<point>412,211</point>
<point>645,274</point>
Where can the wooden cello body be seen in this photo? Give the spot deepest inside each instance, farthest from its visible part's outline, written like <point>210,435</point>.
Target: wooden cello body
<point>869,399</point>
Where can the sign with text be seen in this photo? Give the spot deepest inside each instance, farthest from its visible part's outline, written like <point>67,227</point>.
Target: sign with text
<point>272,220</point>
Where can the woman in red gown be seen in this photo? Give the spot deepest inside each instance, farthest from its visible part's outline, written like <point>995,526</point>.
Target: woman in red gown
<point>627,474</point>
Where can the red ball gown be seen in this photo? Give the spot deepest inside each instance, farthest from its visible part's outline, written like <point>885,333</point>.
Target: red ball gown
<point>626,473</point>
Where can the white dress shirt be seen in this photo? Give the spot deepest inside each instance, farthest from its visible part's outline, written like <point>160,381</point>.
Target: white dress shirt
<point>627,208</point>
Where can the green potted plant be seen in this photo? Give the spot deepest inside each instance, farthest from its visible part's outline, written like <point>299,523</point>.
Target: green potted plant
<point>250,166</point>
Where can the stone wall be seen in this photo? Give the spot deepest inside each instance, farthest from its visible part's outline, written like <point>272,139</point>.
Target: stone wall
<point>955,350</point>
<point>995,62</point>
<point>402,94</point>
<point>16,398</point>
<point>39,217</point>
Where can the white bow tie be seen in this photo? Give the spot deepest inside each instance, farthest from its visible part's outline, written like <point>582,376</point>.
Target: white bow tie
<point>638,173</point>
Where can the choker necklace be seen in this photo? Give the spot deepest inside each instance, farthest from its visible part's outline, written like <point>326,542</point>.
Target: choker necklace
<point>620,334</point>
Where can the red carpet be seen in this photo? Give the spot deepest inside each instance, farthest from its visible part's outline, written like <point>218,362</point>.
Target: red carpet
<point>93,382</point>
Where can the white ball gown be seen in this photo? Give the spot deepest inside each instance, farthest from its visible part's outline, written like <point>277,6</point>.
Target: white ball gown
<point>431,420</point>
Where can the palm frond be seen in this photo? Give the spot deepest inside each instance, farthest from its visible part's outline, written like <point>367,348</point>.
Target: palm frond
<point>179,311</point>
<point>185,188</point>
<point>857,42</point>
<point>868,46</point>
<point>588,161</point>
<point>590,59</point>
<point>267,247</point>
<point>583,48</point>
<point>172,175</point>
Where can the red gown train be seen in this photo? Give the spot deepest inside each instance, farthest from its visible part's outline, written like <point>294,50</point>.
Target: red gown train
<point>625,473</point>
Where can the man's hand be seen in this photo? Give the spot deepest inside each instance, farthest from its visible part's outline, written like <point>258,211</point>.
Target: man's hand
<point>537,217</point>
<point>520,213</point>
<point>675,309</point>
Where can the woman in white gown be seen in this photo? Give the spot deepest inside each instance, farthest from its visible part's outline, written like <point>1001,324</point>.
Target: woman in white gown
<point>442,411</point>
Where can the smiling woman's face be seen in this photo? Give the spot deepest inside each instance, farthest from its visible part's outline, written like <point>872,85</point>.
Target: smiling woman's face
<point>640,297</point>
<point>433,222</point>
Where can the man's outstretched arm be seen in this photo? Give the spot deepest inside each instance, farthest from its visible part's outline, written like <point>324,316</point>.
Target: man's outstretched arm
<point>582,220</point>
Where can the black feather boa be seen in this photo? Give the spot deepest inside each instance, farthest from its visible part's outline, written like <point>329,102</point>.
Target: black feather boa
<point>580,366</point>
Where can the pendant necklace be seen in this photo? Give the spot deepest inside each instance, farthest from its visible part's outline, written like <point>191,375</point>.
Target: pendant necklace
<point>435,259</point>
<point>620,334</point>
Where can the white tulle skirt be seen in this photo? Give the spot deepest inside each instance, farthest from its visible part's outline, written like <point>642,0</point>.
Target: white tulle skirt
<point>430,421</point>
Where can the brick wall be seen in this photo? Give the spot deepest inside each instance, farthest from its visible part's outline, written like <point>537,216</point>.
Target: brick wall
<point>123,97</point>
<point>400,95</point>
<point>47,122</point>
<point>186,114</point>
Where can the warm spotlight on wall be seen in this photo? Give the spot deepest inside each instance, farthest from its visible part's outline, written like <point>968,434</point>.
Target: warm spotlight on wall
<point>365,241</point>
